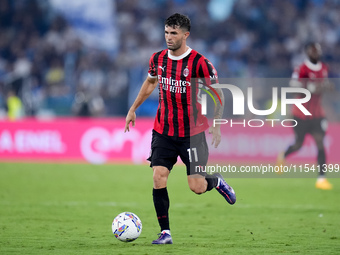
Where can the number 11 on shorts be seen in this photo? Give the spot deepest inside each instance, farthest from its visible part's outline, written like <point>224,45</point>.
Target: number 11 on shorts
<point>194,150</point>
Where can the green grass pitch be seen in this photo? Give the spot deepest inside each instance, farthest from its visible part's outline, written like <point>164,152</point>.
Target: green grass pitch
<point>69,208</point>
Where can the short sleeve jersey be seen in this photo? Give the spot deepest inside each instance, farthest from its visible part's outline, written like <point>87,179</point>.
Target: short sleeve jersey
<point>310,74</point>
<point>180,79</point>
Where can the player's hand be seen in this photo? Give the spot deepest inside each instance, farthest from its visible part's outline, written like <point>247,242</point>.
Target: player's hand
<point>130,117</point>
<point>216,132</point>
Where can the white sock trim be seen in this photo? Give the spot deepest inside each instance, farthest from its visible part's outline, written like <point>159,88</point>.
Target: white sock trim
<point>218,182</point>
<point>167,231</point>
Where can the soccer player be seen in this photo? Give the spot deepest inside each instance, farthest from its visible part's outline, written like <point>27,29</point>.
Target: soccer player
<point>179,125</point>
<point>312,74</point>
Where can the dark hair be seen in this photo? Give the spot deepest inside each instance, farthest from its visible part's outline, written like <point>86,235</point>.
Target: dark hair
<point>309,44</point>
<point>178,20</point>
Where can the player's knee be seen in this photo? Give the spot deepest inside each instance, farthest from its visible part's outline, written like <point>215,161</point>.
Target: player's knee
<point>160,177</point>
<point>158,180</point>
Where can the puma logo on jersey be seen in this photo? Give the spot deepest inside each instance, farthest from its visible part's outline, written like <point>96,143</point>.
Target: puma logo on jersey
<point>161,67</point>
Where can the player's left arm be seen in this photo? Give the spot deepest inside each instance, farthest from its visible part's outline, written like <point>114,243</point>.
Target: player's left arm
<point>324,84</point>
<point>218,113</point>
<point>208,69</point>
<point>327,84</point>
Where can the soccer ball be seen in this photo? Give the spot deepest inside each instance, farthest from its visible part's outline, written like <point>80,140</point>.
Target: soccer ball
<point>126,227</point>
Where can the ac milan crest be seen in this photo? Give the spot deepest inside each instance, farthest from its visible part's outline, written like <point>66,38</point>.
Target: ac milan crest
<point>186,72</point>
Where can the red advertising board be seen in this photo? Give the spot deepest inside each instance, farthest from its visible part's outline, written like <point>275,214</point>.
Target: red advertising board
<point>101,141</point>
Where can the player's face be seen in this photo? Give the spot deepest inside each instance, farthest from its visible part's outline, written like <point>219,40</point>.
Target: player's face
<point>314,52</point>
<point>175,37</point>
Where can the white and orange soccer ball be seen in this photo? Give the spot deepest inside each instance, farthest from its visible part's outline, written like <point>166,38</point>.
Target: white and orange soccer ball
<point>126,227</point>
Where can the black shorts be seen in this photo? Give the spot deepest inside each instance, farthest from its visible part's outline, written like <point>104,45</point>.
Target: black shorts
<point>193,151</point>
<point>309,126</point>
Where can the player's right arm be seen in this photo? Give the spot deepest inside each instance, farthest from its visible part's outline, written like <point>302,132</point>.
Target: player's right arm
<point>148,86</point>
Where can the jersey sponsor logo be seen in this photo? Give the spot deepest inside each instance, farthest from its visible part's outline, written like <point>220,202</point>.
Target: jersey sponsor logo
<point>173,85</point>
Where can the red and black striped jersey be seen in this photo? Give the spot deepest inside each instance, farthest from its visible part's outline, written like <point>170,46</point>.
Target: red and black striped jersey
<point>179,109</point>
<point>311,75</point>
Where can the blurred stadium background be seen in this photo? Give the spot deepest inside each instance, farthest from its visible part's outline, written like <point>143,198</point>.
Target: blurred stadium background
<point>57,53</point>
<point>64,59</point>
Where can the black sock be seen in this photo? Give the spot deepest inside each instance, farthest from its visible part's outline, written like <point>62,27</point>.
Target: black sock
<point>162,203</point>
<point>212,181</point>
<point>322,161</point>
